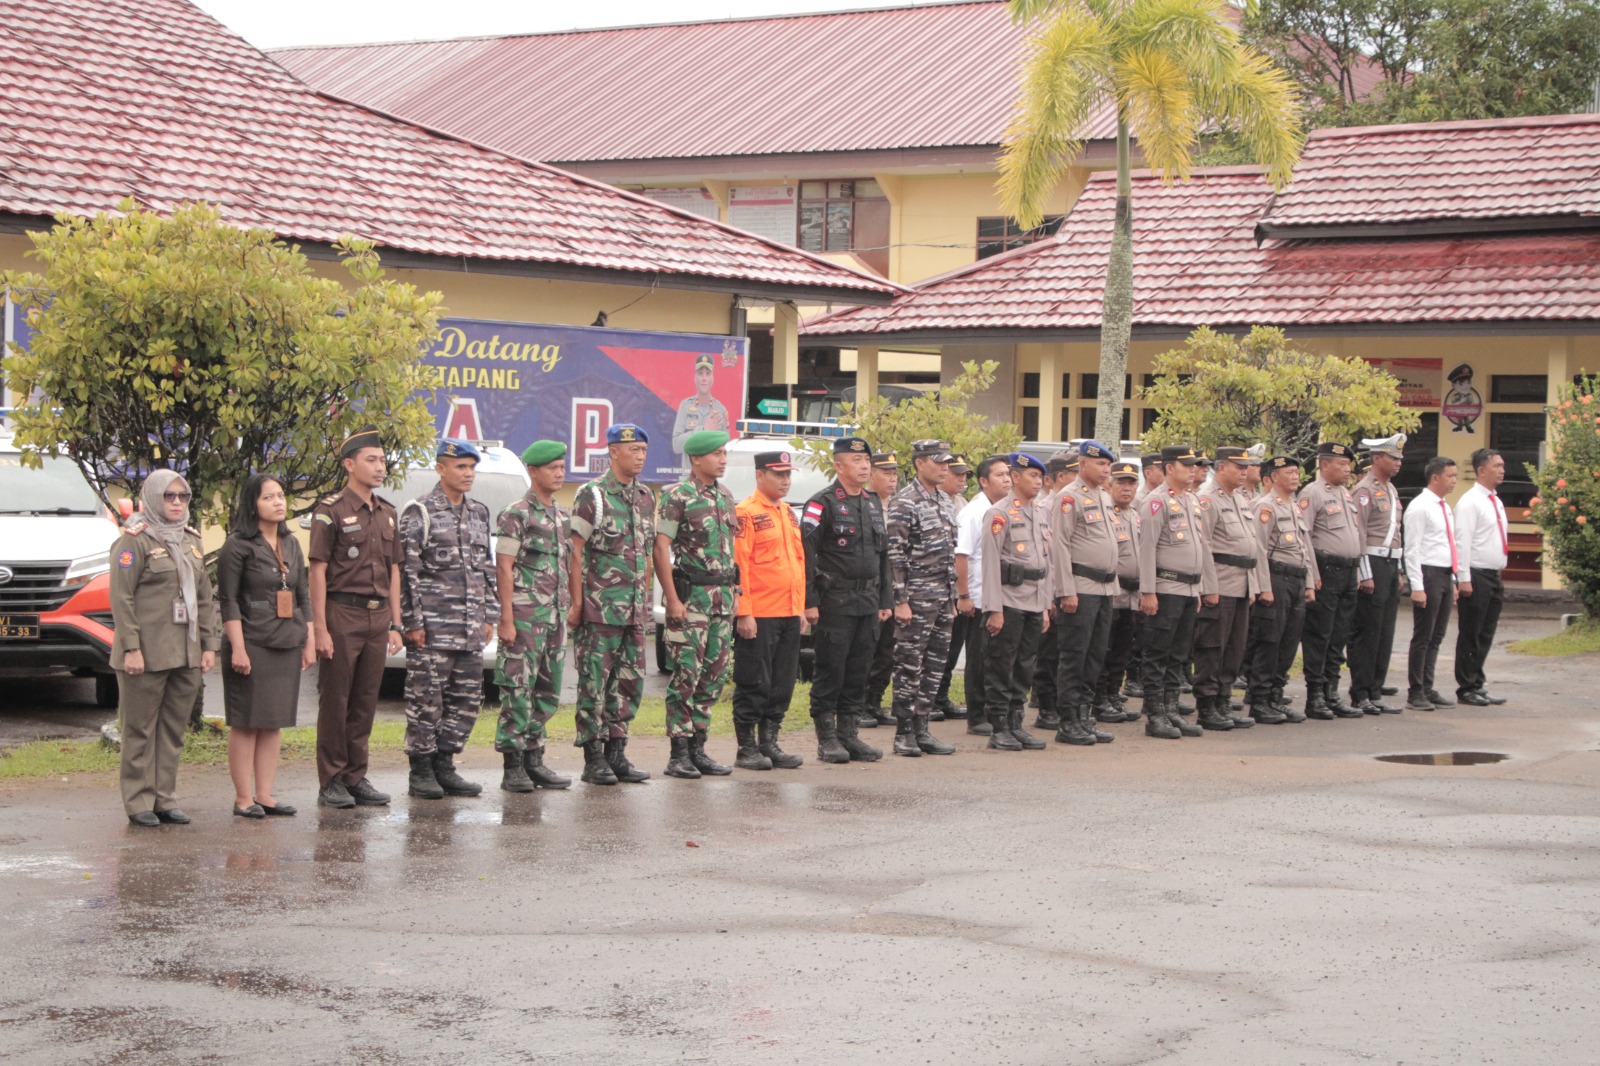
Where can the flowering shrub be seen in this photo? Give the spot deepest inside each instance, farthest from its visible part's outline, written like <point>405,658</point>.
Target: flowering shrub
<point>1569,492</point>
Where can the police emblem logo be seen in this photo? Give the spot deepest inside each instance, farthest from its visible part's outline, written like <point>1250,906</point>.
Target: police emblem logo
<point>1066,503</point>
<point>1266,515</point>
<point>858,445</point>
<point>1205,503</point>
<point>1363,499</point>
<point>997,524</point>
<point>1304,504</point>
<point>625,434</point>
<point>125,558</point>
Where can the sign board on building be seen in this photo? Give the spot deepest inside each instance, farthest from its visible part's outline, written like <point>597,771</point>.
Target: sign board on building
<point>1419,380</point>
<point>521,381</point>
<point>691,198</point>
<point>768,210</point>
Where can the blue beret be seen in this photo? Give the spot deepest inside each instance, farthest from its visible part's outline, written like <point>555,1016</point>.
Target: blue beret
<point>626,433</point>
<point>449,448</point>
<point>1093,449</point>
<point>1024,461</point>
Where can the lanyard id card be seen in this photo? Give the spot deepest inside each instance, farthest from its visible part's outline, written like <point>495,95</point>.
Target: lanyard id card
<point>180,612</point>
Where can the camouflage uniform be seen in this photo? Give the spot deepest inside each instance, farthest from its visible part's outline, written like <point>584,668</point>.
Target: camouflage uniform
<point>701,521</point>
<point>528,669</point>
<point>617,525</point>
<point>447,589</point>
<point>922,544</point>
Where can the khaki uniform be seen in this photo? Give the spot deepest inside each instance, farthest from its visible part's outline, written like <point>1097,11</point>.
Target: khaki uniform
<point>154,706</point>
<point>1222,628</point>
<point>1275,628</point>
<point>359,543</point>
<point>1372,630</point>
<point>1174,564</point>
<point>1336,541</point>
<point>1122,650</point>
<point>1085,566</point>
<point>1016,582</point>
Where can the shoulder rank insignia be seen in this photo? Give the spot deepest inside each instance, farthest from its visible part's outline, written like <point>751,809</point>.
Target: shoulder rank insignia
<point>335,498</point>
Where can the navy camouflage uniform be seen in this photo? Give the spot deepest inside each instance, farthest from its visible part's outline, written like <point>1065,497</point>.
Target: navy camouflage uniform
<point>447,589</point>
<point>922,545</point>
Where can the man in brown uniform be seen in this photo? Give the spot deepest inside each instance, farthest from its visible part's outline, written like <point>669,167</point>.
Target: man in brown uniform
<point>1336,541</point>
<point>1083,580</point>
<point>1175,572</point>
<point>355,602</point>
<point>1378,586</point>
<point>1279,612</point>
<point>1016,601</point>
<point>1221,630</point>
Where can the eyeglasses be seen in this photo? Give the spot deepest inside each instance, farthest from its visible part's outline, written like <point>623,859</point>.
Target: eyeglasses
<point>177,497</point>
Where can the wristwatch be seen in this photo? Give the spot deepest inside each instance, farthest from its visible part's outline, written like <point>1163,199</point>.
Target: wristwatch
<point>396,629</point>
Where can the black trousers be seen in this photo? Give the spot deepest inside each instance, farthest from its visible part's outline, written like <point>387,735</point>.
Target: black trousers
<point>1372,633</point>
<point>977,679</point>
<point>764,669</point>
<point>1220,634</point>
<point>1082,638</point>
<point>1044,668</point>
<point>1008,666</point>
<point>1120,651</point>
<point>958,644</point>
<point>1168,643</point>
<point>1275,630</point>
<point>1428,627</point>
<point>882,671</point>
<point>1328,622</point>
<point>844,644</point>
<point>1478,615</point>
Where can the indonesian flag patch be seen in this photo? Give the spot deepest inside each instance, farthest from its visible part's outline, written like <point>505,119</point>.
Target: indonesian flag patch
<point>813,516</point>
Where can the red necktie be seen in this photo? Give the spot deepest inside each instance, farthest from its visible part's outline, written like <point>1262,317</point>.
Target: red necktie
<point>1450,535</point>
<point>1500,520</point>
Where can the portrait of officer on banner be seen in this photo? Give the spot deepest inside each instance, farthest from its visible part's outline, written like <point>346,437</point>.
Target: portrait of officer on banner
<point>700,412</point>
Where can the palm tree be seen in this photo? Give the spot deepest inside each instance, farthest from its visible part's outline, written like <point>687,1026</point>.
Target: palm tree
<point>1173,69</point>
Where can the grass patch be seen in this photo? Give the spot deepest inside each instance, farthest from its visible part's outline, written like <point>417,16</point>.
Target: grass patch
<point>47,758</point>
<point>1580,639</point>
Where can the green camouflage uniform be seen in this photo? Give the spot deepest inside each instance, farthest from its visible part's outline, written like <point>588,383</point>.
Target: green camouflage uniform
<point>701,521</point>
<point>528,670</point>
<point>616,522</point>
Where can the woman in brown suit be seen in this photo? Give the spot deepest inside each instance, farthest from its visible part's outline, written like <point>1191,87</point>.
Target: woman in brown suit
<point>266,605</point>
<point>165,622</point>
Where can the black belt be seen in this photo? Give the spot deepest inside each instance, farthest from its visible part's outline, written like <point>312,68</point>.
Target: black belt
<point>350,599</point>
<point>710,578</point>
<point>1178,576</point>
<point>1287,569</point>
<point>1129,584</point>
<point>1102,576</point>
<point>1324,559</point>
<point>1243,562</point>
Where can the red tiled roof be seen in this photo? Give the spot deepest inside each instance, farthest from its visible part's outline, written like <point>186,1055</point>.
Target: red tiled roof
<point>1196,262</point>
<point>103,99</point>
<point>1539,172</point>
<point>937,75</point>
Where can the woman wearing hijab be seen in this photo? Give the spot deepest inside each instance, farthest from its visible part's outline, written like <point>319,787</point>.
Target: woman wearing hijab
<point>166,636</point>
<point>266,604</point>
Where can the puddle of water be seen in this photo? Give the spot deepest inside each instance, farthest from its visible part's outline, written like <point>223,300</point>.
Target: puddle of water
<point>1446,758</point>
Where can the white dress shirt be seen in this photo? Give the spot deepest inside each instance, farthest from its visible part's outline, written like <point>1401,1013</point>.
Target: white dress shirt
<point>969,541</point>
<point>1481,535</point>
<point>1429,533</point>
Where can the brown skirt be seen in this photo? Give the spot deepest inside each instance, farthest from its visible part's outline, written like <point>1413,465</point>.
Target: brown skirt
<point>268,696</point>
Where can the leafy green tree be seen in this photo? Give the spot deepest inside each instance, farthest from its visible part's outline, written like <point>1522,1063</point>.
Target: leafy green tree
<point>1172,69</point>
<point>1567,507</point>
<point>941,415</point>
<point>1221,389</point>
<point>189,343</point>
<point>1432,61</point>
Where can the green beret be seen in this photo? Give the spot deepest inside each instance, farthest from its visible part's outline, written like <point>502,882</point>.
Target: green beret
<point>541,452</point>
<point>704,442</point>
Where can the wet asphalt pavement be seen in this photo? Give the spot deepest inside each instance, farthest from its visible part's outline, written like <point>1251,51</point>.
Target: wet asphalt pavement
<point>1272,896</point>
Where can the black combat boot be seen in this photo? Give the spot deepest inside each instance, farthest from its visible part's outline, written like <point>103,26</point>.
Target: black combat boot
<point>540,774</point>
<point>930,744</point>
<point>1174,715</point>
<point>1111,712</point>
<point>444,771</point>
<point>1290,713</point>
<point>678,763</point>
<point>1315,707</point>
<point>703,762</point>
<point>978,724</point>
<point>1028,741</point>
<point>1265,711</point>
<point>905,739</point>
<point>1338,706</point>
<point>750,757</point>
<point>1000,738</point>
<point>617,757</point>
<point>828,747</point>
<point>1157,724</point>
<point>1087,724</point>
<point>422,784</point>
<point>1233,710</point>
<point>777,756</point>
<point>866,720</point>
<point>1071,731</point>
<point>596,771</point>
<point>951,711</point>
<point>1133,689</point>
<point>851,742</point>
<point>1212,716</point>
<point>1047,718</point>
<point>515,778</point>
